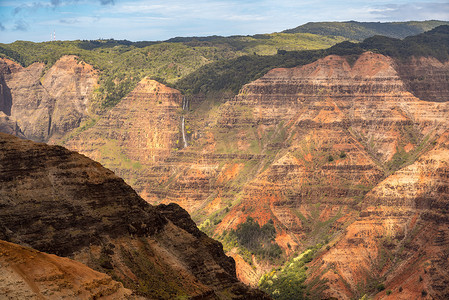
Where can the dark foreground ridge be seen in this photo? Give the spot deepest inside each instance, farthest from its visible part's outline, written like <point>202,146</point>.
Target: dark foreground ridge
<point>61,202</point>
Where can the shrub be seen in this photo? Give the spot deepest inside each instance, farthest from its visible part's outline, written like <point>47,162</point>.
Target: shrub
<point>259,240</point>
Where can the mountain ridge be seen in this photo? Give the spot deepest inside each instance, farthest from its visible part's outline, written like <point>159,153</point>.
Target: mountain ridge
<point>361,30</point>
<point>334,151</point>
<point>61,202</point>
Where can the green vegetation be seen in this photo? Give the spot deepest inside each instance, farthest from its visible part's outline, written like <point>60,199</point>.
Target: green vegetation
<point>250,238</point>
<point>433,43</point>
<point>259,240</point>
<point>288,281</point>
<point>123,63</point>
<point>264,44</point>
<point>362,30</point>
<point>232,74</point>
<point>152,278</point>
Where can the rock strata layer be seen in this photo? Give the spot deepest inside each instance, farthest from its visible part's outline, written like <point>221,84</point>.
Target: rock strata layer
<point>400,239</point>
<point>29,274</point>
<point>300,146</point>
<point>50,105</point>
<point>61,202</point>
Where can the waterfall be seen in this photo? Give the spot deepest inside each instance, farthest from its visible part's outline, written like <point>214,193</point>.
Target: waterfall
<point>185,103</point>
<point>185,106</point>
<point>183,132</point>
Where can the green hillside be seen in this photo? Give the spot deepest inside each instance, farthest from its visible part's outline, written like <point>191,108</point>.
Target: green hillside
<point>123,63</point>
<point>208,64</point>
<point>361,30</point>
<point>233,74</point>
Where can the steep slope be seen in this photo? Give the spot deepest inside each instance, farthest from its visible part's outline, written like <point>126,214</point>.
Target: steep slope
<point>142,129</point>
<point>400,240</point>
<point>49,106</point>
<point>426,78</point>
<point>60,202</point>
<point>345,129</point>
<point>300,146</point>
<point>29,274</point>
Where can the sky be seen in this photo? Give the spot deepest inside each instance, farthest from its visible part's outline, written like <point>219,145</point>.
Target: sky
<point>155,20</point>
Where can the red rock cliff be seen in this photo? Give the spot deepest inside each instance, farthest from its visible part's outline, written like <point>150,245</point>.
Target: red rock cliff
<point>47,106</point>
<point>61,202</point>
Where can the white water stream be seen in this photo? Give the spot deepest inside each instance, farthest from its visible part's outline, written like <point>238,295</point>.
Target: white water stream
<point>185,106</point>
<point>183,132</point>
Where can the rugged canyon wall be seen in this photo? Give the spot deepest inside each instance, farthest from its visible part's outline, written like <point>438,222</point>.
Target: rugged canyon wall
<point>61,202</point>
<point>142,129</point>
<point>301,146</point>
<point>340,152</point>
<point>345,127</point>
<point>44,103</point>
<point>399,244</point>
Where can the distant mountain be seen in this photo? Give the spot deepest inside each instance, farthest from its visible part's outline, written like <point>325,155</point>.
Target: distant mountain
<point>362,30</point>
<point>234,73</point>
<point>123,63</point>
<point>324,173</point>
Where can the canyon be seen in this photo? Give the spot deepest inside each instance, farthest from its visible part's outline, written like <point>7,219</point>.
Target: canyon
<point>347,155</point>
<point>307,148</point>
<point>60,202</point>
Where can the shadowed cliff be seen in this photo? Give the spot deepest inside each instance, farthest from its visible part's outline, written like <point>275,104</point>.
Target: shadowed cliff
<point>61,202</point>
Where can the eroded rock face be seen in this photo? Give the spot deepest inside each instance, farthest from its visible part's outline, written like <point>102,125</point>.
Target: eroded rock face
<point>401,237</point>
<point>426,78</point>
<point>29,274</point>
<point>48,106</point>
<point>31,105</point>
<point>300,146</point>
<point>142,129</point>
<point>71,83</point>
<point>61,202</point>
<point>345,126</point>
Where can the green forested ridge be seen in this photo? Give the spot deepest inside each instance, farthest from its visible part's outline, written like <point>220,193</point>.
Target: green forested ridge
<point>233,74</point>
<point>123,63</point>
<point>362,30</point>
<point>210,64</point>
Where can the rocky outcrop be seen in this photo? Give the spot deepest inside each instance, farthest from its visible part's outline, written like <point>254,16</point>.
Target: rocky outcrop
<point>426,78</point>
<point>30,104</point>
<point>400,240</point>
<point>9,125</point>
<point>61,202</point>
<point>29,274</point>
<point>48,106</point>
<point>141,130</point>
<point>71,83</point>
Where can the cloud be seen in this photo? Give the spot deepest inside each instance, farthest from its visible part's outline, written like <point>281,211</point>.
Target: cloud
<point>106,2</point>
<point>29,7</point>
<point>2,28</point>
<point>69,21</point>
<point>413,11</point>
<point>21,25</point>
